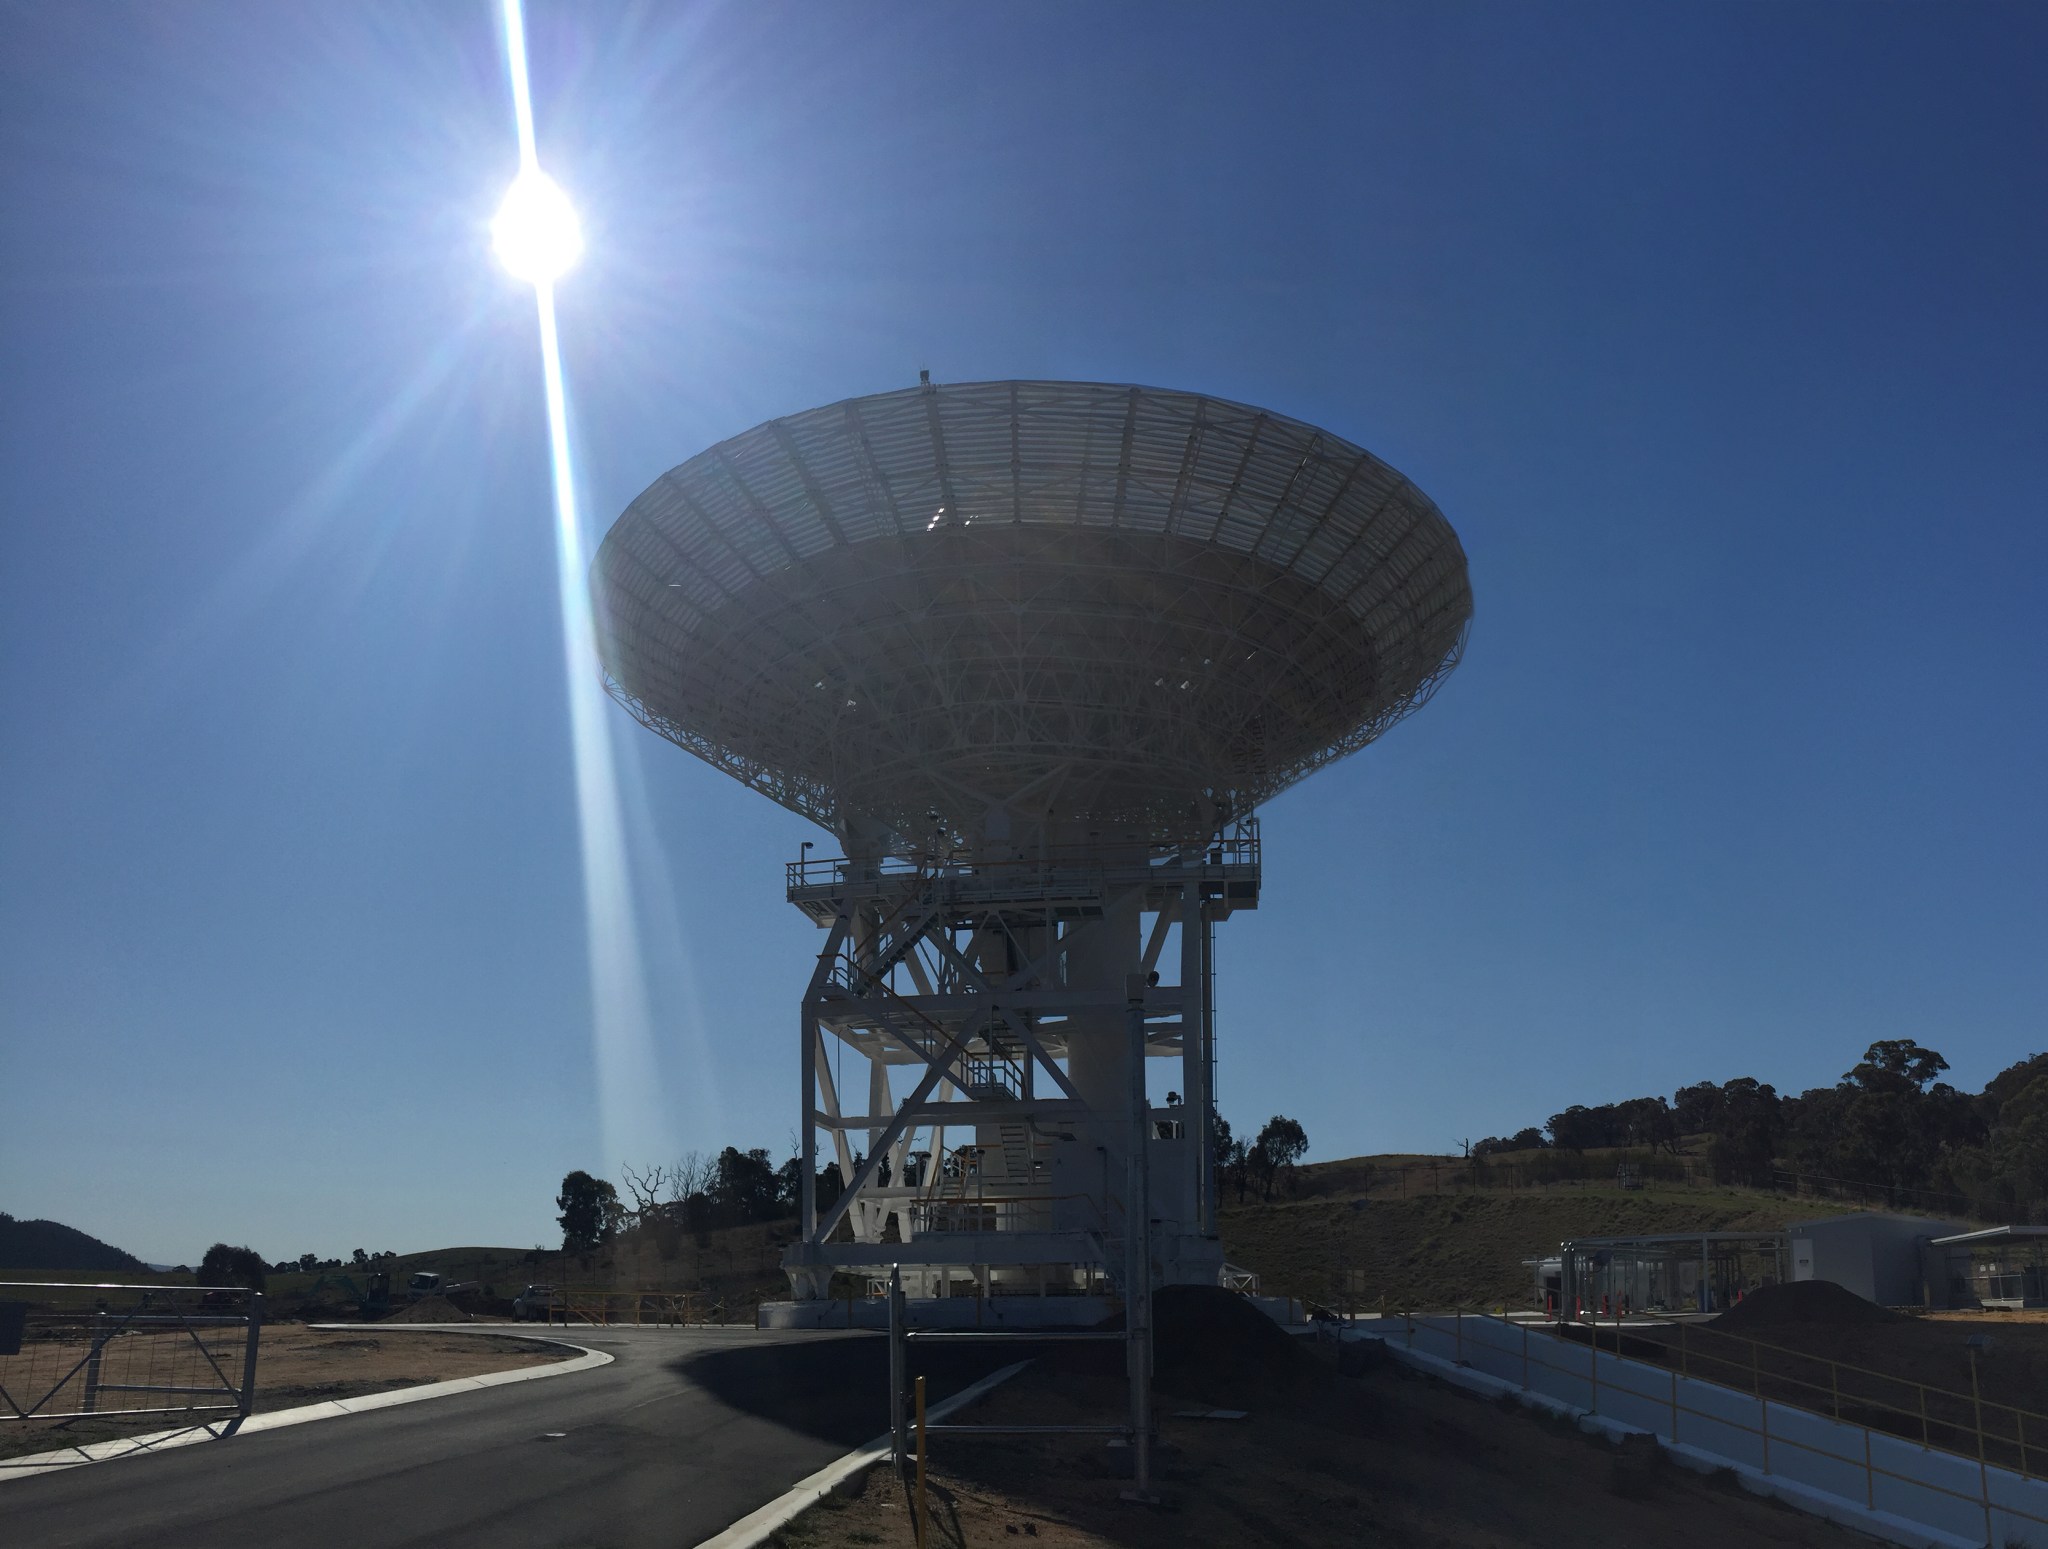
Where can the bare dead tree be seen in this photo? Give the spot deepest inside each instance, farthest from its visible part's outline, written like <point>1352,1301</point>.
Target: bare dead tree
<point>647,1187</point>
<point>691,1173</point>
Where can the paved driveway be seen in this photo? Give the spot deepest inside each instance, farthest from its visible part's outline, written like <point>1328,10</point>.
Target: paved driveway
<point>684,1433</point>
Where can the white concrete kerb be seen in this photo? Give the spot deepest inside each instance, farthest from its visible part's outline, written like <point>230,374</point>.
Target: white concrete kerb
<point>756,1527</point>
<point>333,1409</point>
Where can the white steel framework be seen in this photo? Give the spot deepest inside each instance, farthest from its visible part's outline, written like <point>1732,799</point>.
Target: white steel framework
<point>1001,1012</point>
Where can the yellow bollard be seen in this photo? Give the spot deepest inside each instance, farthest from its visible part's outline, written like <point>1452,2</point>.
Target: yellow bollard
<point>919,1522</point>
<point>1983,1468</point>
<point>1763,1410</point>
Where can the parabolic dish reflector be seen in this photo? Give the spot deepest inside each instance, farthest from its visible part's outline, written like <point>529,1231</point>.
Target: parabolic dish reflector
<point>1095,610</point>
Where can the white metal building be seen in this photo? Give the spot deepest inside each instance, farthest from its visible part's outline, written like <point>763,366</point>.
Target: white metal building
<point>1874,1254</point>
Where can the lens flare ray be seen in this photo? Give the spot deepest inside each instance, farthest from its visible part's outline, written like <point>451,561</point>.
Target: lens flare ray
<point>632,1115</point>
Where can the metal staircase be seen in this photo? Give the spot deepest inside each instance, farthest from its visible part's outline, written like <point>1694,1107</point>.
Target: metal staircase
<point>1014,1141</point>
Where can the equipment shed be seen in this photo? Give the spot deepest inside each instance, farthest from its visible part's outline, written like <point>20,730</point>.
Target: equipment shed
<point>2002,1266</point>
<point>1874,1254</point>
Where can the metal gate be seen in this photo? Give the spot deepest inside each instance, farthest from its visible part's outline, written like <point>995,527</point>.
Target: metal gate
<point>72,1354</point>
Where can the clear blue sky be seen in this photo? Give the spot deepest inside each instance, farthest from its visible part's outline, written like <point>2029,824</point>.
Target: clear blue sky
<point>1717,331</point>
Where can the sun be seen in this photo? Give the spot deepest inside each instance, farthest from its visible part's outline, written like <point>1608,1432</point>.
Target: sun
<point>535,233</point>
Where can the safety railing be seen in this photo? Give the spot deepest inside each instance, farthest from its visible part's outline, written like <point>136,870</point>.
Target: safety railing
<point>932,1216</point>
<point>944,1213</point>
<point>1009,1213</point>
<point>1237,847</point>
<point>643,1309</point>
<point>904,1424</point>
<point>1965,1423</point>
<point>991,1078</point>
<point>1620,1383</point>
<point>73,1353</point>
<point>847,975</point>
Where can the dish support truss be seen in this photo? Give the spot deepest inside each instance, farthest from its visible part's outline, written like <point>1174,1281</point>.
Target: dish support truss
<point>1005,1008</point>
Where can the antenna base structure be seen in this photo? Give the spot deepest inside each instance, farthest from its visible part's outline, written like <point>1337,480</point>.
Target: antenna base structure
<point>998,1002</point>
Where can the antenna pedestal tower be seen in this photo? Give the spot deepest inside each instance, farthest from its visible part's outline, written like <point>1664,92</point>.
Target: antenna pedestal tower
<point>988,1003</point>
<point>1035,652</point>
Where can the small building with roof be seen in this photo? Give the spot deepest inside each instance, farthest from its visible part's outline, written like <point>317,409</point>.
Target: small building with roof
<point>1892,1260</point>
<point>1874,1253</point>
<point>2000,1266</point>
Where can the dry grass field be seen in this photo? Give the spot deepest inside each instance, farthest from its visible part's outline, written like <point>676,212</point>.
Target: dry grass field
<point>297,1365</point>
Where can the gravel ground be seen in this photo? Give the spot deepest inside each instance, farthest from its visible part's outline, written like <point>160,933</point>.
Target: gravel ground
<point>1387,1459</point>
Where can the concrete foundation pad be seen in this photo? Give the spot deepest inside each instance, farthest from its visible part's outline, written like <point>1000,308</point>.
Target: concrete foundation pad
<point>955,1312</point>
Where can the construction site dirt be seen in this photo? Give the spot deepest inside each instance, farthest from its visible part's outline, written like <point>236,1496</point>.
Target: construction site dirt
<point>1386,1457</point>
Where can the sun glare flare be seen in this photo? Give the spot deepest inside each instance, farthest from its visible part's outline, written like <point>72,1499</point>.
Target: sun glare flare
<point>537,237</point>
<point>536,234</point>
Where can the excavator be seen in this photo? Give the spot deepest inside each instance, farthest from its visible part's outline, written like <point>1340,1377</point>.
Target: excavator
<point>372,1298</point>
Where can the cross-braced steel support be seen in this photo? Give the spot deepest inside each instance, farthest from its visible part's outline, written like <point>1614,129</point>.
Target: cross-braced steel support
<point>1008,1007</point>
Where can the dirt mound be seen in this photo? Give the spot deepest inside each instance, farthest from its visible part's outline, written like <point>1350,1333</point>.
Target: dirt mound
<point>1209,1329</point>
<point>1211,1343</point>
<point>484,1304</point>
<point>428,1309</point>
<point>1801,1302</point>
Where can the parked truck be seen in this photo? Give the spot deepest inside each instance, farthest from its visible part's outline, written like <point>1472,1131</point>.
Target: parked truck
<point>425,1283</point>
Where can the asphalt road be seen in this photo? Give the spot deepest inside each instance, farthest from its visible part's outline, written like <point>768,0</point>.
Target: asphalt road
<point>683,1434</point>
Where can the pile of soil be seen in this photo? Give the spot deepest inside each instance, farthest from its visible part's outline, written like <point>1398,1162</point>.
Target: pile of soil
<point>428,1309</point>
<point>1386,1458</point>
<point>1210,1343</point>
<point>1206,1329</point>
<point>322,1309</point>
<point>484,1304</point>
<point>1801,1302</point>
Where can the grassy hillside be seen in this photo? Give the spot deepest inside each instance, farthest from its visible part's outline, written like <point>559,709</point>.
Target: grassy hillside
<point>1446,1249</point>
<point>1463,1245</point>
<point>737,1267</point>
<point>51,1245</point>
<point>738,1264</point>
<point>735,1263</point>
